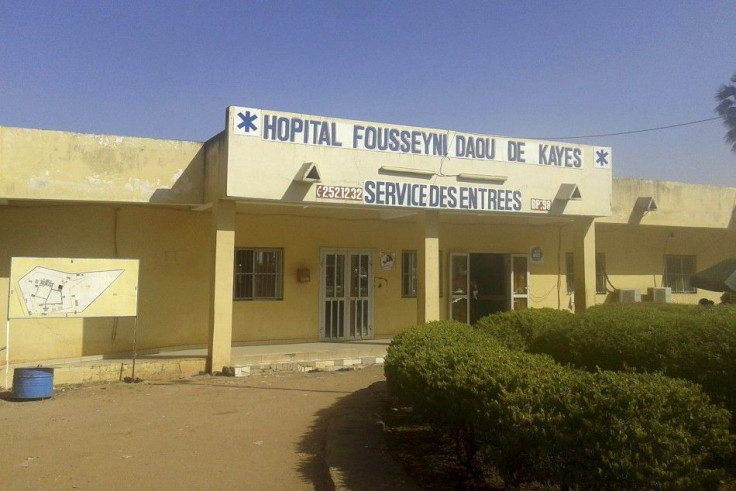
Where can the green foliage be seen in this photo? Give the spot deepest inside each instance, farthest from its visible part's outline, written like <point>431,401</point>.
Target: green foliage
<point>534,330</point>
<point>519,329</point>
<point>691,342</point>
<point>535,420</point>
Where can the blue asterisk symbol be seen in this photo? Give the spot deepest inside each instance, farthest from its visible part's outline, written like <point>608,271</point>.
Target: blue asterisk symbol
<point>601,157</point>
<point>247,122</point>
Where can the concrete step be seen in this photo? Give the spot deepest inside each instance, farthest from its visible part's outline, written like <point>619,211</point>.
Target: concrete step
<point>245,360</point>
<point>324,364</point>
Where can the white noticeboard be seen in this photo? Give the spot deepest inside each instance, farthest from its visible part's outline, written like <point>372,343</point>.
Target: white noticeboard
<point>72,287</point>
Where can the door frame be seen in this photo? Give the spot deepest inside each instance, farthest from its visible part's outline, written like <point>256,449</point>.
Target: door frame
<point>511,296</point>
<point>348,253</point>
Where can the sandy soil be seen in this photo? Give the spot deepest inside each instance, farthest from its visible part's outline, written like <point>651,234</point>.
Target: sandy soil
<point>262,432</point>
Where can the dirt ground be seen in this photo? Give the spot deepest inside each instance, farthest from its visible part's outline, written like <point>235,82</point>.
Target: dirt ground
<point>261,432</point>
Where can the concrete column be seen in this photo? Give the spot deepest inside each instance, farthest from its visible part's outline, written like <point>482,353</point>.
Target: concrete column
<point>221,285</point>
<point>584,262</point>
<point>428,259</point>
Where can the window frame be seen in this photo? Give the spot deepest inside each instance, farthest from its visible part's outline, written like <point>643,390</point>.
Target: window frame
<point>600,273</point>
<point>249,274</point>
<point>679,279</point>
<point>441,284</point>
<point>570,273</point>
<point>409,274</point>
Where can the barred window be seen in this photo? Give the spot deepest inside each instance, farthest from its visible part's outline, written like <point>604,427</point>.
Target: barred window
<point>600,272</point>
<point>677,272</point>
<point>258,274</point>
<point>409,274</point>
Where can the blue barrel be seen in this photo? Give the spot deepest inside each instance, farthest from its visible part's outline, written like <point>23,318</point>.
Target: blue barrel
<point>33,383</point>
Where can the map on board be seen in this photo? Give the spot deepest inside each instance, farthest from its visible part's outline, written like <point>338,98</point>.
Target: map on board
<point>47,291</point>
<point>73,287</point>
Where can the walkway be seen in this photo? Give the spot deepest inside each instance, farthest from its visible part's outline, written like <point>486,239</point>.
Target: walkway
<point>246,360</point>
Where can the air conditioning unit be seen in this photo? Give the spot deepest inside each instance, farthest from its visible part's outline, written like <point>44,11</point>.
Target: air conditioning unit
<point>660,295</point>
<point>629,296</point>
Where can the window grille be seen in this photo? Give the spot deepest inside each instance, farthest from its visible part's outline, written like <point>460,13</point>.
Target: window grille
<point>258,274</point>
<point>677,272</point>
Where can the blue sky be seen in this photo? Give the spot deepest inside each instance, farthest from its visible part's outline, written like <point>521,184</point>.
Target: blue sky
<point>512,68</point>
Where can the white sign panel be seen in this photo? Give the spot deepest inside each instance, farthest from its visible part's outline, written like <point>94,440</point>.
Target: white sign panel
<point>377,164</point>
<point>72,287</point>
<point>277,127</point>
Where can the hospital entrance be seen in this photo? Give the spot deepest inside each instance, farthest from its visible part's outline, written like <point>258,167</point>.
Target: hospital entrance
<point>485,283</point>
<point>346,294</point>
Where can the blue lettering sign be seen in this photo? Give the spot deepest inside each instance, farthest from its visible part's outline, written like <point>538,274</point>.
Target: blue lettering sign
<point>516,151</point>
<point>369,196</point>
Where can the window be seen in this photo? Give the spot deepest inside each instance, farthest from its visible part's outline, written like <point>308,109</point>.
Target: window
<point>677,271</point>
<point>409,273</point>
<point>600,272</point>
<point>570,272</point>
<point>258,274</point>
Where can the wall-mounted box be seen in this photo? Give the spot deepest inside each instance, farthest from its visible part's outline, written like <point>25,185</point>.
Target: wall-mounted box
<point>303,275</point>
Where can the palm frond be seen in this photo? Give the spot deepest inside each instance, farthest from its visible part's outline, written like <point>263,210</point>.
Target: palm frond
<point>726,109</point>
<point>725,92</point>
<point>731,135</point>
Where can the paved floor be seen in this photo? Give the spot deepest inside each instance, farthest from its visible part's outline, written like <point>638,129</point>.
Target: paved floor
<point>184,362</point>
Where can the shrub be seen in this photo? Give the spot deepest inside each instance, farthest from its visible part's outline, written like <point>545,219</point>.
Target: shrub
<point>691,342</point>
<point>535,420</point>
<point>520,329</point>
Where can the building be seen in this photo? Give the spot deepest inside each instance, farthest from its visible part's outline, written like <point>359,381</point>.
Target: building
<point>288,227</point>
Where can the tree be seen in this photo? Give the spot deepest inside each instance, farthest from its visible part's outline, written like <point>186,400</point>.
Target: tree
<point>726,109</point>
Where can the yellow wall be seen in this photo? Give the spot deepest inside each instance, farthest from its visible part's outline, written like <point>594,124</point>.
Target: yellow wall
<point>302,236</point>
<point>71,195</point>
<point>635,255</point>
<point>39,164</point>
<point>506,238</point>
<point>173,249</point>
<point>679,204</point>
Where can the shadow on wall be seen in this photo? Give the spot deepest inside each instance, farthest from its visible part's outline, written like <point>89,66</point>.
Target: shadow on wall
<point>108,335</point>
<point>611,297</point>
<point>189,187</point>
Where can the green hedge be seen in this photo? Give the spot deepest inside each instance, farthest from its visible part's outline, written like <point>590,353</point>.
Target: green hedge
<point>691,342</point>
<point>534,330</point>
<point>535,420</point>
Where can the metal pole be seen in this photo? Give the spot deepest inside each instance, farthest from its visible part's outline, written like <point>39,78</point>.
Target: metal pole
<point>7,350</point>
<point>135,327</point>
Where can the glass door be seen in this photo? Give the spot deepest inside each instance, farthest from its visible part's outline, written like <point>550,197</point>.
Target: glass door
<point>484,283</point>
<point>519,282</point>
<point>347,295</point>
<point>459,287</point>
<point>333,296</point>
